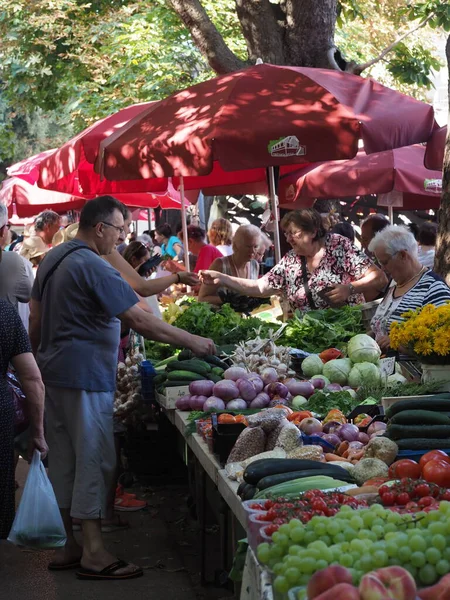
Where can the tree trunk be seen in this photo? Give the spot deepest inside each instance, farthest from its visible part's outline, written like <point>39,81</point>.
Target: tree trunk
<point>261,31</point>
<point>442,258</point>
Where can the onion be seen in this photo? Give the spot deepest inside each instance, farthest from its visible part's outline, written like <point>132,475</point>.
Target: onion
<point>356,445</point>
<point>331,426</point>
<point>261,401</point>
<point>376,427</point>
<point>348,432</point>
<point>298,402</point>
<point>183,403</point>
<point>201,388</point>
<point>318,383</point>
<point>269,375</point>
<point>238,404</point>
<point>332,439</point>
<point>234,373</point>
<point>257,382</point>
<point>300,388</point>
<point>310,426</point>
<point>195,403</point>
<point>333,387</point>
<point>212,403</point>
<point>363,437</point>
<point>246,389</point>
<point>226,390</point>
<point>276,389</point>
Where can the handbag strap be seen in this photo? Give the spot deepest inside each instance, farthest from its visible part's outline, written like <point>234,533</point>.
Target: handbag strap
<point>306,284</point>
<point>58,262</point>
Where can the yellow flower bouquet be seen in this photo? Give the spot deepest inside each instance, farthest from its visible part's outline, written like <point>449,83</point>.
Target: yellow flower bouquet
<point>425,332</point>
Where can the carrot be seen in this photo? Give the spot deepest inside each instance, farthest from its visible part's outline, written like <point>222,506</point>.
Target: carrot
<point>356,455</point>
<point>343,446</point>
<point>345,454</point>
<point>329,457</point>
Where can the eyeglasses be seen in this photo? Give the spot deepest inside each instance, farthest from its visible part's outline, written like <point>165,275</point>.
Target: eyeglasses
<point>119,229</point>
<point>293,234</point>
<point>386,262</point>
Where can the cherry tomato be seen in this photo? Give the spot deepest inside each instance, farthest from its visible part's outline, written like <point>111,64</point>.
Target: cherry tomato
<point>270,529</point>
<point>421,490</point>
<point>388,498</point>
<point>383,489</point>
<point>437,471</point>
<point>404,468</point>
<point>402,499</point>
<point>445,495</point>
<point>433,455</point>
<point>426,501</point>
<point>319,505</point>
<point>412,507</point>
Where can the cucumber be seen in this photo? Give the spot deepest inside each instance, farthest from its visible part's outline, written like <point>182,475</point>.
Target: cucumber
<point>166,361</point>
<point>214,377</point>
<point>423,444</point>
<point>335,473</point>
<point>273,466</point>
<point>400,432</point>
<point>217,371</point>
<point>158,379</point>
<point>246,487</point>
<point>186,354</point>
<point>420,417</point>
<point>298,486</point>
<point>439,402</point>
<point>195,365</point>
<point>241,488</point>
<point>214,360</point>
<point>184,376</point>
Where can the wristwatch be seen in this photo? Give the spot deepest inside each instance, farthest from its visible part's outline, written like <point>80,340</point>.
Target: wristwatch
<point>178,277</point>
<point>352,289</point>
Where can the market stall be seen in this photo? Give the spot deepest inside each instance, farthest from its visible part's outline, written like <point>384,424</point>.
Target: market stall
<point>320,449</point>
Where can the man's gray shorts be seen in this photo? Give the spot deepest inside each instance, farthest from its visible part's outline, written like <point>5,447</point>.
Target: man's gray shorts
<point>81,456</point>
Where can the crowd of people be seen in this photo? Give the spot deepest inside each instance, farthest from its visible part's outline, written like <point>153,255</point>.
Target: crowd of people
<point>79,290</point>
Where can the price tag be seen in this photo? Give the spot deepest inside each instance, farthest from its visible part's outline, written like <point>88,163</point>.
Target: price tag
<point>387,366</point>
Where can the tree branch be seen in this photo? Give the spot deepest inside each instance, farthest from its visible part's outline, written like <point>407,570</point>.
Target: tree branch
<point>358,69</point>
<point>261,31</point>
<point>206,37</point>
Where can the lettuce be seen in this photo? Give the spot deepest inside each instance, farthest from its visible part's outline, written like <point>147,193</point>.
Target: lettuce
<point>362,348</point>
<point>364,373</point>
<point>337,370</point>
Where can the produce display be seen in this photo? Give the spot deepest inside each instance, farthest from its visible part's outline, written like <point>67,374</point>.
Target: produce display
<point>259,354</point>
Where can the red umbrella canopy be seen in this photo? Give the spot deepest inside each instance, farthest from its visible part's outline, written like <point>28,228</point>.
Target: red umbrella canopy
<point>401,170</point>
<point>263,116</point>
<point>434,155</point>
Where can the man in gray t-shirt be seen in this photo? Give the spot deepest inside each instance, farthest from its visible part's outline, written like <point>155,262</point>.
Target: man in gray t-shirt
<point>78,301</point>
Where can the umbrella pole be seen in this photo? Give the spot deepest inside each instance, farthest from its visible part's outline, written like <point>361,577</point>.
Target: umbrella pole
<point>149,219</point>
<point>391,215</point>
<point>274,205</point>
<point>184,225</point>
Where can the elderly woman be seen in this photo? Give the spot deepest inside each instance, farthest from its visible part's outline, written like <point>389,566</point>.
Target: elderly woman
<point>241,265</point>
<point>415,286</point>
<point>15,349</point>
<point>321,270</point>
<point>220,235</point>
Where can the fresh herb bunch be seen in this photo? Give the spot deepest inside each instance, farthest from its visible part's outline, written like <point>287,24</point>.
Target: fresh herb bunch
<point>223,325</point>
<point>316,330</point>
<point>397,390</point>
<point>157,351</point>
<point>321,403</point>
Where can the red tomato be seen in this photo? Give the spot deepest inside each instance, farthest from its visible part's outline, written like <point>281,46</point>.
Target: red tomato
<point>433,455</point>
<point>383,489</point>
<point>388,498</point>
<point>412,507</point>
<point>437,471</point>
<point>402,499</point>
<point>404,468</point>
<point>445,495</point>
<point>422,489</point>
<point>426,501</point>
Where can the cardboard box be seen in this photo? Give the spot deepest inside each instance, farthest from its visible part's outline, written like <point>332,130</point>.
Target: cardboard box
<point>171,395</point>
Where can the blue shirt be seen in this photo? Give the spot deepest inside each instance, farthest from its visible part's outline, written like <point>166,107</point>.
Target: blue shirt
<point>168,249</point>
<point>80,333</point>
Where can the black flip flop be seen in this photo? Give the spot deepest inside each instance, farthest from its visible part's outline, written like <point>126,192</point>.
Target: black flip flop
<point>110,572</point>
<point>53,566</point>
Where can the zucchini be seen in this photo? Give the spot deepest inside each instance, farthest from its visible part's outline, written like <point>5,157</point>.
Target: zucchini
<point>334,473</point>
<point>214,360</point>
<point>420,417</point>
<point>214,377</point>
<point>400,432</point>
<point>184,376</point>
<point>244,489</point>
<point>439,402</point>
<point>249,492</point>
<point>241,488</point>
<point>194,365</point>
<point>273,466</point>
<point>423,444</point>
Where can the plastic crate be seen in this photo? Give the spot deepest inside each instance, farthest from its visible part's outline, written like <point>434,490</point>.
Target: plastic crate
<point>224,436</point>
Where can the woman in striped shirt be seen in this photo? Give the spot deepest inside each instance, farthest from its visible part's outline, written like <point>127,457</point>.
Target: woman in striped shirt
<point>413,286</point>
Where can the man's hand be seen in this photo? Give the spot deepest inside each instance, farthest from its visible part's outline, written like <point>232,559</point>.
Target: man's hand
<point>188,278</point>
<point>338,295</point>
<point>37,442</point>
<point>172,266</point>
<point>210,277</point>
<point>201,346</point>
<point>384,342</point>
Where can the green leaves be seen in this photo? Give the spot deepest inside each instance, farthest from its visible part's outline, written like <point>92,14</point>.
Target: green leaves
<point>413,65</point>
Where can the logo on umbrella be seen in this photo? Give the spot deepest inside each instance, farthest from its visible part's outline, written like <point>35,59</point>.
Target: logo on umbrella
<point>433,185</point>
<point>290,193</point>
<point>287,146</point>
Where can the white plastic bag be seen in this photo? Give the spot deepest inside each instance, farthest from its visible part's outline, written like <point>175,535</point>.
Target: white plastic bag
<point>38,522</point>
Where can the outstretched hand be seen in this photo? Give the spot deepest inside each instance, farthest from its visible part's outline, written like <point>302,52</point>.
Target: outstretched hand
<point>210,277</point>
<point>188,278</point>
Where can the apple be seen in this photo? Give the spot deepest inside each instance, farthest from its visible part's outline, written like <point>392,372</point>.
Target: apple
<point>326,578</point>
<point>372,588</point>
<point>440,591</point>
<point>398,581</point>
<point>340,591</point>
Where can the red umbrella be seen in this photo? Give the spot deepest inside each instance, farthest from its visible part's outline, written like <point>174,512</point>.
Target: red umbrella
<point>264,116</point>
<point>434,155</point>
<point>400,170</point>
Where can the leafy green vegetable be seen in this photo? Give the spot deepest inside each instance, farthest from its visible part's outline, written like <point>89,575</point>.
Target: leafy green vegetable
<point>156,351</point>
<point>317,330</point>
<point>321,403</point>
<point>396,390</point>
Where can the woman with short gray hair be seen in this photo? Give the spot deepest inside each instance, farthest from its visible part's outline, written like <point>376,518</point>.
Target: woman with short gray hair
<point>396,251</point>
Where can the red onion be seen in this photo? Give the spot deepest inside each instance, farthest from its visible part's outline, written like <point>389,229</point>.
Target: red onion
<point>356,445</point>
<point>261,401</point>
<point>310,426</point>
<point>246,389</point>
<point>276,389</point>
<point>331,438</point>
<point>333,387</point>
<point>376,427</point>
<point>363,437</point>
<point>348,432</point>
<point>183,403</point>
<point>331,426</point>
<point>238,404</point>
<point>257,382</point>
<point>300,388</point>
<point>226,389</point>
<point>318,383</point>
<point>234,373</point>
<point>201,388</point>
<point>212,404</point>
<point>197,402</point>
<point>269,375</point>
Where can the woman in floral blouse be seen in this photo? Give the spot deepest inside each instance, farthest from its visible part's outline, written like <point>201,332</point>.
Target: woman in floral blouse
<point>322,269</point>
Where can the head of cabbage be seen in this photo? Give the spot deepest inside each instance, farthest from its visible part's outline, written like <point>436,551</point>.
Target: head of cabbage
<point>363,348</point>
<point>312,365</point>
<point>337,370</point>
<point>364,373</point>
